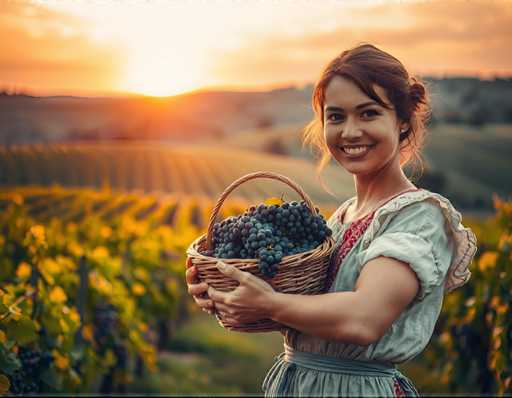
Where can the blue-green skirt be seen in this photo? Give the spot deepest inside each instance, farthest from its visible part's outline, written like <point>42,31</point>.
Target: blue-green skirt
<point>305,374</point>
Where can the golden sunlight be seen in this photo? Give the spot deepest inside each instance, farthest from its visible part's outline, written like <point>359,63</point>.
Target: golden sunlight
<point>163,59</point>
<point>164,47</point>
<point>155,73</point>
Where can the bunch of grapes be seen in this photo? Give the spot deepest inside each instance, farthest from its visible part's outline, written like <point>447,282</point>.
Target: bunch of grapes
<point>25,380</point>
<point>269,233</point>
<point>105,321</point>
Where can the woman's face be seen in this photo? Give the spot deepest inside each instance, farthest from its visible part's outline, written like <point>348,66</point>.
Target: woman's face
<point>361,135</point>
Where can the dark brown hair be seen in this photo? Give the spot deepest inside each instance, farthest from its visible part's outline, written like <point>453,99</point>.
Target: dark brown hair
<point>367,65</point>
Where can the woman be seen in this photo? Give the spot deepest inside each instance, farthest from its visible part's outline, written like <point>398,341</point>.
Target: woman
<point>399,248</point>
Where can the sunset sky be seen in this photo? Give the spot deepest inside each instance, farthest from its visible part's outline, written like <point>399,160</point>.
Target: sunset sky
<point>165,47</point>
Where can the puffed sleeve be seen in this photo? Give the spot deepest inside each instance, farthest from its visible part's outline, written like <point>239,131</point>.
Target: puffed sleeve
<point>416,235</point>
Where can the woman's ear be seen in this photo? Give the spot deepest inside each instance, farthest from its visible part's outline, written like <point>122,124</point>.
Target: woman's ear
<point>404,127</point>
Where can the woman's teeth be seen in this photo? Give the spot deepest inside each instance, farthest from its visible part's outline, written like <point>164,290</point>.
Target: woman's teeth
<point>356,150</point>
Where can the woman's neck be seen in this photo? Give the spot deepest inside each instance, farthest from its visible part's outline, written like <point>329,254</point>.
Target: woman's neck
<point>372,190</point>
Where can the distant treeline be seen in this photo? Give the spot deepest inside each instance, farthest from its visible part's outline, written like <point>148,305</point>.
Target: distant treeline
<point>468,100</point>
<point>218,114</point>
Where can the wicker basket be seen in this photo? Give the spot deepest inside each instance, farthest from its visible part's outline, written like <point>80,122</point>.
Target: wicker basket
<point>302,273</point>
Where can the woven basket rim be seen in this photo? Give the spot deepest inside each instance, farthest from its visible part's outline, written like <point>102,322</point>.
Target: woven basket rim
<point>193,251</point>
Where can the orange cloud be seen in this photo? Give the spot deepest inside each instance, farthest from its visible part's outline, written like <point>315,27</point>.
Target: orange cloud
<point>47,49</point>
<point>434,37</point>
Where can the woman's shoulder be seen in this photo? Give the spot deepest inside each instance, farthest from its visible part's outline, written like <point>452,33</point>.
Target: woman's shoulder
<point>436,212</point>
<point>418,204</point>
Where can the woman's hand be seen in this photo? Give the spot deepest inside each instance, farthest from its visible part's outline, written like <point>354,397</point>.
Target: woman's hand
<point>250,301</point>
<point>197,289</point>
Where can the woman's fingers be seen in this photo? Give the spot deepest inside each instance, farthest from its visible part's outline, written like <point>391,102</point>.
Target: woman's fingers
<point>191,275</point>
<point>204,303</point>
<point>222,307</point>
<point>198,288</point>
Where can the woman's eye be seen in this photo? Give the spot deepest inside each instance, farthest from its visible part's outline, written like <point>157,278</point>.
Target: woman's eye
<point>330,117</point>
<point>370,113</point>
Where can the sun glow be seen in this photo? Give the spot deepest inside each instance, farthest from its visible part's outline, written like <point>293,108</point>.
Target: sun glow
<point>166,47</point>
<point>157,71</point>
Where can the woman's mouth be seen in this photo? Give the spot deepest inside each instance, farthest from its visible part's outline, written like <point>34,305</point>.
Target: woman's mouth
<point>355,151</point>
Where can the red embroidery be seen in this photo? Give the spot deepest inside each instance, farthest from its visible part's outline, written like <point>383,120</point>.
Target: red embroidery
<point>399,393</point>
<point>350,237</point>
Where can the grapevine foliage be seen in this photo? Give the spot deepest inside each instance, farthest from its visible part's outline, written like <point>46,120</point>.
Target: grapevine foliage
<point>471,349</point>
<point>79,302</point>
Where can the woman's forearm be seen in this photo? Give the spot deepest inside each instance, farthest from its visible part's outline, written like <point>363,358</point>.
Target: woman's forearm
<point>332,316</point>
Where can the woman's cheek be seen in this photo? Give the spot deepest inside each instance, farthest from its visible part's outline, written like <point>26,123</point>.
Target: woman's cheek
<point>330,138</point>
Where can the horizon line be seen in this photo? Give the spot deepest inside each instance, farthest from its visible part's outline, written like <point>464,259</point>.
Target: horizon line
<point>14,90</point>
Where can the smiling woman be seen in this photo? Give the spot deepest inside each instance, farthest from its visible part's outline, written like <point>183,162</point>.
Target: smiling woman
<point>399,249</point>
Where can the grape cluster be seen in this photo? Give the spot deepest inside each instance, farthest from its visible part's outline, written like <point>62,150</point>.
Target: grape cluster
<point>105,321</point>
<point>25,379</point>
<point>269,233</point>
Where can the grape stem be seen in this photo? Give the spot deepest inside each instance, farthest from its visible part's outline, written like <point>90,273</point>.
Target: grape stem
<point>18,301</point>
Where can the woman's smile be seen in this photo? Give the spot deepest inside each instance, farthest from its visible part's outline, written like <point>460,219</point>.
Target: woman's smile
<point>356,151</point>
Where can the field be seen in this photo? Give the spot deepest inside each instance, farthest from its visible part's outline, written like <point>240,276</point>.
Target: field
<point>178,169</point>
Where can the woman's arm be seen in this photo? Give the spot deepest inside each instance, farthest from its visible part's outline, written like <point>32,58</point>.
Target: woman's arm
<point>331,316</point>
<point>383,290</point>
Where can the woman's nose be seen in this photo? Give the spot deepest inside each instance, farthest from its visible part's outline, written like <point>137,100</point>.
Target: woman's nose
<point>350,129</point>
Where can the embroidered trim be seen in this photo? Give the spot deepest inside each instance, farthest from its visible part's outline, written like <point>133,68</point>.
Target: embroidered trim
<point>465,241</point>
<point>399,393</point>
<point>350,237</point>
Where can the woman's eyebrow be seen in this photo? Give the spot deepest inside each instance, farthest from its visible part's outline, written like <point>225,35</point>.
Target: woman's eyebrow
<point>338,109</point>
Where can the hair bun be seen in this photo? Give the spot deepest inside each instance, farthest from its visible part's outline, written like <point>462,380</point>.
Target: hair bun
<point>417,93</point>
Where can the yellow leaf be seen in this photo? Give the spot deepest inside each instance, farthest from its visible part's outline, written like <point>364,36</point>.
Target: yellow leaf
<point>51,266</point>
<point>38,232</point>
<point>24,270</point>
<point>87,332</point>
<point>5,384</point>
<point>502,309</point>
<point>143,327</point>
<point>75,249</point>
<point>488,260</point>
<point>100,283</point>
<point>273,201</point>
<point>16,314</point>
<point>138,289</point>
<point>141,273</point>
<point>105,232</point>
<point>100,252</point>
<point>63,325</point>
<point>57,295</point>
<point>61,361</point>
<point>74,316</point>
<point>3,337</point>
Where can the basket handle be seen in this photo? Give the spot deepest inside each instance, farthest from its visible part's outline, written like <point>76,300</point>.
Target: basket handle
<point>241,180</point>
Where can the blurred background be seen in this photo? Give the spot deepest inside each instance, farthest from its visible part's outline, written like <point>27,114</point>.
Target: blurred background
<point>121,123</point>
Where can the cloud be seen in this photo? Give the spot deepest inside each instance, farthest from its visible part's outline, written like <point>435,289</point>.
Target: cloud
<point>46,48</point>
<point>429,37</point>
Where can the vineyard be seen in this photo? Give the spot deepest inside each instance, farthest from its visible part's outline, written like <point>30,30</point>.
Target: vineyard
<point>182,170</point>
<point>86,302</point>
<point>92,288</point>
<point>92,284</point>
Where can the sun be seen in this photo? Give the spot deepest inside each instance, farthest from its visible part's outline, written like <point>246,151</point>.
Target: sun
<point>157,74</point>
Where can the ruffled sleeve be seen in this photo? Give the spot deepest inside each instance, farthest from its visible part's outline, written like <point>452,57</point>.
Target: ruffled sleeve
<point>419,236</point>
